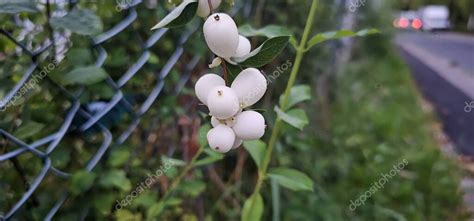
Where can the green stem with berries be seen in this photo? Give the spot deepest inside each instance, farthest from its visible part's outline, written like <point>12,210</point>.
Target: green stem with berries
<point>300,52</point>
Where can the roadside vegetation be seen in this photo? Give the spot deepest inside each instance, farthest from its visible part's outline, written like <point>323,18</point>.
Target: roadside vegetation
<point>376,123</point>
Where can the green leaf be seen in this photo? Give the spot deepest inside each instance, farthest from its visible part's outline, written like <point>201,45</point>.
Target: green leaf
<point>332,35</point>
<point>144,200</point>
<point>202,139</point>
<point>81,182</point>
<point>295,117</point>
<point>60,157</point>
<point>269,31</point>
<point>118,157</point>
<point>79,57</point>
<point>192,188</point>
<point>180,16</point>
<point>233,71</point>
<point>256,148</point>
<point>175,2</point>
<point>291,179</point>
<point>211,157</point>
<point>265,53</point>
<point>391,213</point>
<point>173,202</point>
<point>28,129</point>
<point>253,208</point>
<point>103,203</point>
<point>154,210</point>
<point>17,6</point>
<point>175,162</point>
<point>127,215</point>
<point>369,31</point>
<point>298,94</point>
<point>84,75</point>
<point>80,21</point>
<point>115,178</point>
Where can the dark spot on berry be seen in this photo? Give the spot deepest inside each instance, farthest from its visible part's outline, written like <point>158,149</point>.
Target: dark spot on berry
<point>217,148</point>
<point>217,18</point>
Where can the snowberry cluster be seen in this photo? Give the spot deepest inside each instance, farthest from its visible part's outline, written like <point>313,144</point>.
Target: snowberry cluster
<point>232,123</point>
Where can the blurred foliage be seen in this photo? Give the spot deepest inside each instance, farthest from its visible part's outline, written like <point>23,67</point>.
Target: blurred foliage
<point>375,123</point>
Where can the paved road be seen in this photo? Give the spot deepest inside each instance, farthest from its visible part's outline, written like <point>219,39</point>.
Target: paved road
<point>443,67</point>
<point>456,48</point>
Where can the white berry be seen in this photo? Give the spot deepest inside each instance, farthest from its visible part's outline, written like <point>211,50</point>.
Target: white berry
<point>222,102</point>
<point>221,138</point>
<point>243,48</point>
<point>250,86</point>
<point>205,84</point>
<point>215,122</point>
<point>221,35</point>
<point>237,143</point>
<point>249,125</point>
<point>203,7</point>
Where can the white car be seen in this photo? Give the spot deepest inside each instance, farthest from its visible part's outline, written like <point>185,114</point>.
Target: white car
<point>434,17</point>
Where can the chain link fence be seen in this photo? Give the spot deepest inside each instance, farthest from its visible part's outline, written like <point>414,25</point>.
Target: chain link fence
<point>44,147</point>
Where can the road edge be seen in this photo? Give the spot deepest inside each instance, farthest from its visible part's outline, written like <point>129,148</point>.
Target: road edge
<point>456,76</point>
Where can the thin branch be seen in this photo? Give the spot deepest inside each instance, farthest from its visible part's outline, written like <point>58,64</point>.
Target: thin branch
<point>216,179</point>
<point>224,66</point>
<point>230,189</point>
<point>51,30</point>
<point>179,178</point>
<point>241,158</point>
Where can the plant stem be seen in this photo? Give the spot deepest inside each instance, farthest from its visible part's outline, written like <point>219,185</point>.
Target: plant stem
<point>294,71</point>
<point>51,30</point>
<point>224,66</point>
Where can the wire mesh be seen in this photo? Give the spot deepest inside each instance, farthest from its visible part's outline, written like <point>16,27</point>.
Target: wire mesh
<point>77,108</point>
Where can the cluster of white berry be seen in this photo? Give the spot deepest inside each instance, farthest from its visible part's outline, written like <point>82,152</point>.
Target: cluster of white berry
<point>232,124</point>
